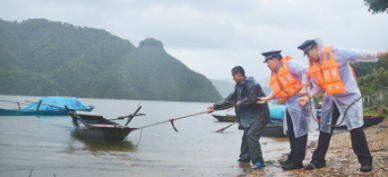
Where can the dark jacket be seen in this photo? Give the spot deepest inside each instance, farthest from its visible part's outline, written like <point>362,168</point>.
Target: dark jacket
<point>248,110</point>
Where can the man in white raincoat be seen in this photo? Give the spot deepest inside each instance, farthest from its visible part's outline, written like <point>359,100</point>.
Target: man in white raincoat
<point>298,120</point>
<point>341,92</point>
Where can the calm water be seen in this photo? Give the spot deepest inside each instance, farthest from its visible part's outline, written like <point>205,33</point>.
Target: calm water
<point>47,145</point>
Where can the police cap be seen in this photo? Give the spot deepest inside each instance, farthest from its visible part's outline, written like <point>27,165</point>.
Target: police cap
<point>271,54</point>
<point>307,45</point>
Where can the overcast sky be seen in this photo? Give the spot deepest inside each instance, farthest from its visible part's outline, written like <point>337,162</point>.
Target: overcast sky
<point>213,36</point>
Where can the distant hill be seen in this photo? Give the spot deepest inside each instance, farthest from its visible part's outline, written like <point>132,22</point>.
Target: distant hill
<point>223,87</point>
<point>40,57</point>
<point>265,85</point>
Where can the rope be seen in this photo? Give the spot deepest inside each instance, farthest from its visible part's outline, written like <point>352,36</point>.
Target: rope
<point>141,135</point>
<point>226,107</point>
<point>14,102</point>
<point>343,118</point>
<point>172,120</point>
<point>346,110</point>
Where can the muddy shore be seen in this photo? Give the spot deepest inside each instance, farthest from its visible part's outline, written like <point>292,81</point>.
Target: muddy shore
<point>340,158</point>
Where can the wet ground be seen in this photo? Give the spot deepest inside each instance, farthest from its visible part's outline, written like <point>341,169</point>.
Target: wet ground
<point>340,158</point>
<point>47,145</point>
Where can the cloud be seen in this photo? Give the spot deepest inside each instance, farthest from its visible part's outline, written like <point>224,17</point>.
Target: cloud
<point>211,37</point>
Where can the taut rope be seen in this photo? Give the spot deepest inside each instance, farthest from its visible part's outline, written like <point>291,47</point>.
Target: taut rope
<point>172,120</point>
<point>346,110</point>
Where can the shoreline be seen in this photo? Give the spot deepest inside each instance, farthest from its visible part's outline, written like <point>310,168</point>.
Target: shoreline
<point>340,158</point>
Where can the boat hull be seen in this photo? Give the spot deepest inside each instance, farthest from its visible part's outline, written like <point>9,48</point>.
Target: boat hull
<point>19,112</point>
<point>273,130</point>
<point>103,134</point>
<point>92,127</point>
<point>368,121</point>
<point>226,118</point>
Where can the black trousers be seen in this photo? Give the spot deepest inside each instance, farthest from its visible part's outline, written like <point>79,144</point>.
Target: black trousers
<point>298,145</point>
<point>250,145</point>
<point>359,143</point>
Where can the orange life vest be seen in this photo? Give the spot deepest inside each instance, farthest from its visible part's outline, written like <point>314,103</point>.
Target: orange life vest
<point>354,73</point>
<point>285,78</point>
<point>327,75</point>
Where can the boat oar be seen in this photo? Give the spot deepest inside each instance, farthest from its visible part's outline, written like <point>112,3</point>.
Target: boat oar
<point>17,102</point>
<point>123,117</point>
<point>370,109</point>
<point>130,117</point>
<point>222,129</point>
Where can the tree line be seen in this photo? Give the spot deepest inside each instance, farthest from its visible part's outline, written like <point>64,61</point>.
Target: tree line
<point>45,58</point>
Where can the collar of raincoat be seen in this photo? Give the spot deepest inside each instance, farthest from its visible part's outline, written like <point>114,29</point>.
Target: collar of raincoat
<point>243,81</point>
<point>321,48</point>
<point>277,68</point>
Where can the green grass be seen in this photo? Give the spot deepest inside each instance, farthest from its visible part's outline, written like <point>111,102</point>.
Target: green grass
<point>374,112</point>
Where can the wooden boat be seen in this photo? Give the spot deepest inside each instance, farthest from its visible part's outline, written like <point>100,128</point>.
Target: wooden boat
<point>21,112</point>
<point>372,120</point>
<point>368,121</point>
<point>273,129</point>
<point>226,118</point>
<point>276,112</point>
<point>47,106</point>
<point>95,127</point>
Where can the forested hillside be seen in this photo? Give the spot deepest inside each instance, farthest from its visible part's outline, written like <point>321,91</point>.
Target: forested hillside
<point>367,72</point>
<point>223,87</point>
<point>39,57</point>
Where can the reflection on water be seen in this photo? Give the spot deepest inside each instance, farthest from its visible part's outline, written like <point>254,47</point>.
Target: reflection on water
<point>245,166</point>
<point>50,117</point>
<point>48,144</point>
<point>96,145</point>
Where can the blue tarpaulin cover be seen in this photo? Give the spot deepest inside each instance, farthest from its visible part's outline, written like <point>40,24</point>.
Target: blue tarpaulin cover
<point>277,111</point>
<point>55,103</point>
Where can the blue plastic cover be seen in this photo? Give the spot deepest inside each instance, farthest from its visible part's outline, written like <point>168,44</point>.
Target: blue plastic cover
<point>55,103</point>
<point>277,111</point>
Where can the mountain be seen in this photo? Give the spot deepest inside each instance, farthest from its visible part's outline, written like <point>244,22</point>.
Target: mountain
<point>40,57</point>
<point>223,87</point>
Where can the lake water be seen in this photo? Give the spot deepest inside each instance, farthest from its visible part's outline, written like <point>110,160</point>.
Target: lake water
<point>47,145</point>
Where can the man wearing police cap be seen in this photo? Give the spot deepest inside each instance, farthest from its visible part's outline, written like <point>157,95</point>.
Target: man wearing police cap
<point>289,80</point>
<point>329,70</point>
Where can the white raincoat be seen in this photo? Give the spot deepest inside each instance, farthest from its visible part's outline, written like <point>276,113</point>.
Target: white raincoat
<point>301,116</point>
<point>354,116</point>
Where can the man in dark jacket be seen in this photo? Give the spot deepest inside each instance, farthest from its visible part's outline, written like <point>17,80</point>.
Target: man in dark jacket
<point>253,117</point>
